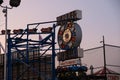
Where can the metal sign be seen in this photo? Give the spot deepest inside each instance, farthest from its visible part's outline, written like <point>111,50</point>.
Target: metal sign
<point>69,36</point>
<point>70,62</point>
<point>70,54</point>
<point>71,16</point>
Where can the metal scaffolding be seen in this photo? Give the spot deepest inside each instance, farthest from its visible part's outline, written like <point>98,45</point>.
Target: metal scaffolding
<point>17,42</point>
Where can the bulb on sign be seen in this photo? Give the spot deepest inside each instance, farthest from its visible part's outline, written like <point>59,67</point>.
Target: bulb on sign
<point>70,35</point>
<point>71,16</point>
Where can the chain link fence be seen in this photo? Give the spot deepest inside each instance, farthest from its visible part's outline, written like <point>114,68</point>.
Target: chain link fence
<point>95,57</point>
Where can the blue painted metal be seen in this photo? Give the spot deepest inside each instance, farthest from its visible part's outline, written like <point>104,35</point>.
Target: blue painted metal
<point>15,42</point>
<point>27,47</point>
<point>9,60</point>
<point>53,53</point>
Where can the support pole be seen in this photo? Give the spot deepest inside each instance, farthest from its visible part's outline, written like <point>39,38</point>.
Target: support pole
<point>9,60</point>
<point>5,54</point>
<point>27,47</point>
<point>104,58</point>
<point>5,10</point>
<point>53,53</point>
<point>27,53</point>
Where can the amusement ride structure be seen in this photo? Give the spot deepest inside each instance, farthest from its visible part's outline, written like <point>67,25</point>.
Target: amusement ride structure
<point>69,39</point>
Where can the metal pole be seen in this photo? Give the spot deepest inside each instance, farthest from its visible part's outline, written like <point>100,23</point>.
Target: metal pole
<point>53,53</point>
<point>27,47</point>
<point>5,10</point>
<point>5,54</point>
<point>27,52</point>
<point>9,60</point>
<point>104,58</point>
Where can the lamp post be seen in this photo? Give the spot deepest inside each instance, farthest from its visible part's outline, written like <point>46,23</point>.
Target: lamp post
<point>5,10</point>
<point>5,55</point>
<point>13,3</point>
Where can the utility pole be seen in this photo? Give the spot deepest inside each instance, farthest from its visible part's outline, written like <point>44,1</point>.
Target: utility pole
<point>104,55</point>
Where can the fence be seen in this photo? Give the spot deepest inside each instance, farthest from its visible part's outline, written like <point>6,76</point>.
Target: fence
<point>95,57</point>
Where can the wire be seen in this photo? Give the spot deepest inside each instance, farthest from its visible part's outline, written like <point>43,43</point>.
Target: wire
<point>113,65</point>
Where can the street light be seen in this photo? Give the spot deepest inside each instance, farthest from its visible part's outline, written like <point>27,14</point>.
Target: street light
<point>1,1</point>
<point>13,3</point>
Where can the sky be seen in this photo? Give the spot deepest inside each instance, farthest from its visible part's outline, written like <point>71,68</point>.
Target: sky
<point>99,17</point>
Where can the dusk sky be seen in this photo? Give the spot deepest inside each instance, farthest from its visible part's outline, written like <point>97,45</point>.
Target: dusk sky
<point>99,17</point>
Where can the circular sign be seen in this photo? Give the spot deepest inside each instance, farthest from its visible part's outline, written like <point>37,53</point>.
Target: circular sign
<point>69,36</point>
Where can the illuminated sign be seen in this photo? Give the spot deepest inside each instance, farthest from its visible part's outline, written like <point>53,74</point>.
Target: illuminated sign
<point>69,36</point>
<point>70,54</point>
<point>71,16</point>
<point>70,62</point>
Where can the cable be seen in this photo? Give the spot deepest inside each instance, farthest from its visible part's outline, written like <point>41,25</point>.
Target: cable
<point>113,65</point>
